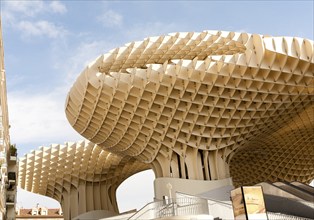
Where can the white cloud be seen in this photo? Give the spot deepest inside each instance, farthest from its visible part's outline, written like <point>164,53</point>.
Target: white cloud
<point>39,118</point>
<point>33,8</point>
<point>40,28</point>
<point>24,16</point>
<point>111,19</point>
<point>24,8</point>
<point>84,54</point>
<point>58,7</point>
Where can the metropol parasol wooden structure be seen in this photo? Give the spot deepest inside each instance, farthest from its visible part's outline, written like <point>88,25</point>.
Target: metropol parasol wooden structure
<point>200,106</point>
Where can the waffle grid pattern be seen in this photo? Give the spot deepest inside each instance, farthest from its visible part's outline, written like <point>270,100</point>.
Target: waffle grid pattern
<point>184,94</point>
<point>202,106</point>
<point>284,155</point>
<point>81,176</point>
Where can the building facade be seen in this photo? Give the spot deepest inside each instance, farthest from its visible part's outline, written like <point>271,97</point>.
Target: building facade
<point>8,152</point>
<point>39,213</point>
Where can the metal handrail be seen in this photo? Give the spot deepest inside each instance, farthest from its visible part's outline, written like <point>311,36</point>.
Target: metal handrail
<point>142,209</point>
<point>201,197</point>
<point>175,207</point>
<point>220,203</point>
<point>188,209</point>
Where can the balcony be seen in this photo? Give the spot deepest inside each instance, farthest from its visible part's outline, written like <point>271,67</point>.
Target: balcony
<point>13,157</point>
<point>10,201</point>
<point>12,177</point>
<point>11,181</point>
<point>13,154</point>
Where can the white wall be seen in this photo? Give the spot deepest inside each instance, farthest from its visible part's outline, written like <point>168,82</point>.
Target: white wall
<point>191,187</point>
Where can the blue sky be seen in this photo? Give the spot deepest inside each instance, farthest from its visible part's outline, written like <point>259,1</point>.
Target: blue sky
<point>48,43</point>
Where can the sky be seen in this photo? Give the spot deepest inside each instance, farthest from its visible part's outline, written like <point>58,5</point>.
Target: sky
<point>48,43</point>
